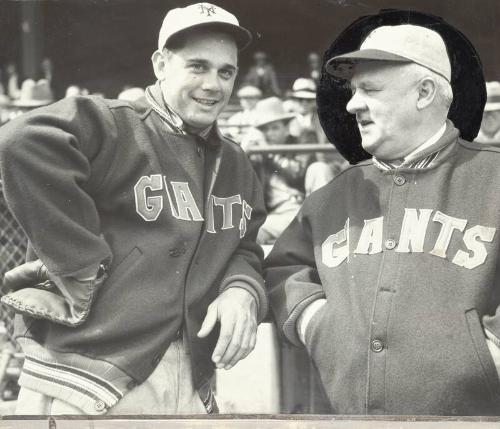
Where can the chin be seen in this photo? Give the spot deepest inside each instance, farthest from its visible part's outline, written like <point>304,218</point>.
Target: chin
<point>370,146</point>
<point>202,123</point>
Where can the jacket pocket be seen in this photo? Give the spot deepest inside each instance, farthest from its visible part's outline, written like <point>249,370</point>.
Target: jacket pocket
<point>124,266</point>
<point>485,359</point>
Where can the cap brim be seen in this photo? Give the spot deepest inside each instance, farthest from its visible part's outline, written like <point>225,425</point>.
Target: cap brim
<point>342,66</point>
<point>489,107</point>
<point>304,95</point>
<point>286,117</point>
<point>31,103</point>
<point>242,36</point>
<point>248,95</point>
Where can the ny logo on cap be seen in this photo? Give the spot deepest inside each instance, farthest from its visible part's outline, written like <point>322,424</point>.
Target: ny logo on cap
<point>207,9</point>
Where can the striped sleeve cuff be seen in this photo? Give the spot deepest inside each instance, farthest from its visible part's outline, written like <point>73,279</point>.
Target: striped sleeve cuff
<point>290,325</point>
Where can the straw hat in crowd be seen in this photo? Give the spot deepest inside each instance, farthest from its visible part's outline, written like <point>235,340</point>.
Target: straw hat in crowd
<point>270,110</point>
<point>34,94</point>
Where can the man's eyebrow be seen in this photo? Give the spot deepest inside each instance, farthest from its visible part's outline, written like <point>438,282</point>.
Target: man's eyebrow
<point>197,60</point>
<point>230,66</point>
<point>367,83</point>
<point>207,62</point>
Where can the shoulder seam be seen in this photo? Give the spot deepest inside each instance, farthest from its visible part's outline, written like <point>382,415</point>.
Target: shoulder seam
<point>478,147</point>
<point>365,163</point>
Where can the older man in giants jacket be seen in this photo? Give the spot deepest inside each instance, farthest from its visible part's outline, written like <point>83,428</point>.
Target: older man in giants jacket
<point>389,275</point>
<point>147,192</point>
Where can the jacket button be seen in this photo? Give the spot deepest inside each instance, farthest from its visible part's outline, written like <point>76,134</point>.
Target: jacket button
<point>177,251</point>
<point>399,180</point>
<point>390,243</point>
<point>100,406</point>
<point>377,346</point>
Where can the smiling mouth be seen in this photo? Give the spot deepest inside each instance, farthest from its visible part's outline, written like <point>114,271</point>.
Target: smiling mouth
<point>206,101</point>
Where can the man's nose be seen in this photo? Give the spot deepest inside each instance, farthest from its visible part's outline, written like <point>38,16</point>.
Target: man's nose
<point>211,81</point>
<point>355,104</point>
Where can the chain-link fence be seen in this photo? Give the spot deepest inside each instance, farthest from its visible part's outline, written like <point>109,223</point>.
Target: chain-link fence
<point>13,244</point>
<point>12,250</point>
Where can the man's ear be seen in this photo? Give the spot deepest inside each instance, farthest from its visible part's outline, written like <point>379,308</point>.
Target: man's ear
<point>159,65</point>
<point>426,92</point>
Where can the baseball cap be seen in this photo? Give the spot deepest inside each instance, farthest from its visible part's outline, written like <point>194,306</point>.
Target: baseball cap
<point>201,15</point>
<point>304,88</point>
<point>249,91</point>
<point>493,96</point>
<point>400,43</point>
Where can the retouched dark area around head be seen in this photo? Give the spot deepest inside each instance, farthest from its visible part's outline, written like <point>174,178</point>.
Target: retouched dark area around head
<point>467,80</point>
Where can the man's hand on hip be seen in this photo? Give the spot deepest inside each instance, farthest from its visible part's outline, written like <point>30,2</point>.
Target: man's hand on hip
<point>236,310</point>
<point>25,275</point>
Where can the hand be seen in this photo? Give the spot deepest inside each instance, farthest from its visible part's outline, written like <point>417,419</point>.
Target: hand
<point>28,274</point>
<point>236,310</point>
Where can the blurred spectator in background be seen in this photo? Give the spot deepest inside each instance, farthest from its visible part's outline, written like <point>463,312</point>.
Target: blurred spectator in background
<point>31,95</point>
<point>242,122</point>
<point>307,129</point>
<point>314,67</point>
<point>75,90</point>
<point>34,94</point>
<point>47,70</point>
<point>490,126</point>
<point>4,99</point>
<point>132,94</point>
<point>306,126</point>
<point>2,87</point>
<point>263,76</point>
<point>13,90</point>
<point>282,175</point>
<point>4,103</point>
<point>47,73</point>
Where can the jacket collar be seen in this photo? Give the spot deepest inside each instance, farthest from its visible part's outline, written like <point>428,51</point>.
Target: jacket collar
<point>211,135</point>
<point>429,156</point>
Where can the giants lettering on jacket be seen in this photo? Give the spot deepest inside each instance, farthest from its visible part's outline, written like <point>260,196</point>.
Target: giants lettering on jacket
<point>183,205</point>
<point>336,248</point>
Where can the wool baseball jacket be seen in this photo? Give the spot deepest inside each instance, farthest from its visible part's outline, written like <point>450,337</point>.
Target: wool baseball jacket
<point>93,180</point>
<point>408,261</point>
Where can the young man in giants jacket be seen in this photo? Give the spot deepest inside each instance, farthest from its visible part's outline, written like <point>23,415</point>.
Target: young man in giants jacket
<point>144,219</point>
<point>390,274</point>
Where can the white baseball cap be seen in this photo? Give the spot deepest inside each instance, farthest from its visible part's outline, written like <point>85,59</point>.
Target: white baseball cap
<point>200,15</point>
<point>249,91</point>
<point>304,88</point>
<point>400,43</point>
<point>493,96</point>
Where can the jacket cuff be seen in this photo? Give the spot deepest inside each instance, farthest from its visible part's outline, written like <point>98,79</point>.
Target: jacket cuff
<point>63,300</point>
<point>491,336</point>
<point>290,325</point>
<point>251,285</point>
